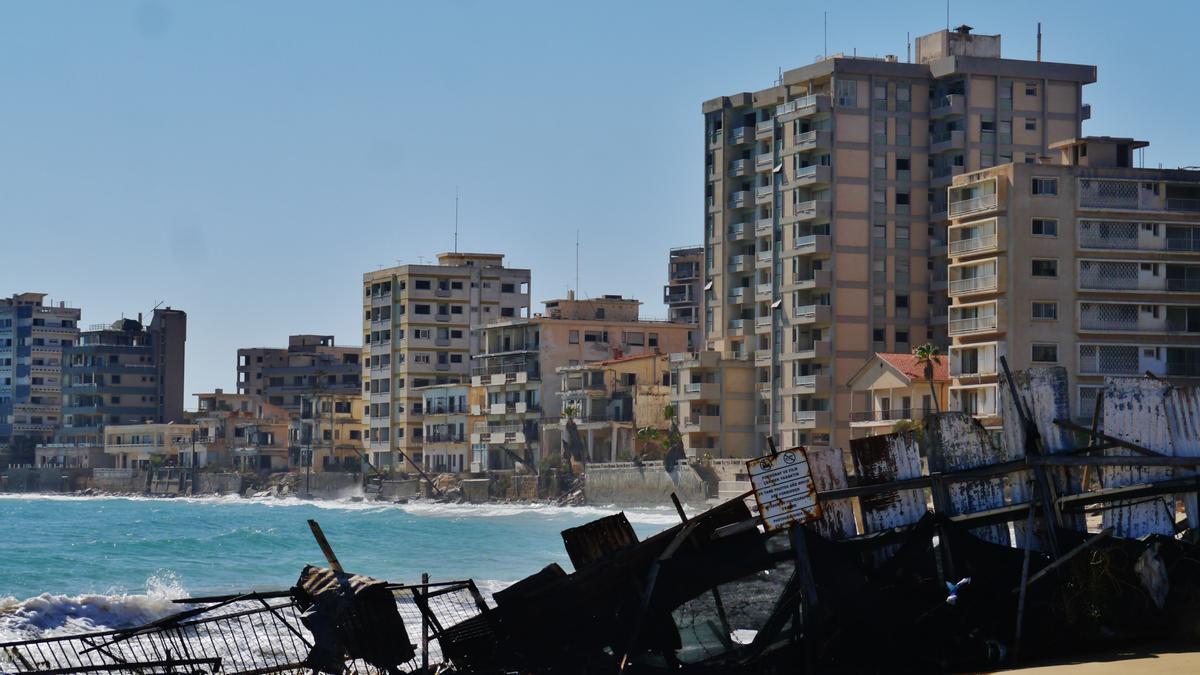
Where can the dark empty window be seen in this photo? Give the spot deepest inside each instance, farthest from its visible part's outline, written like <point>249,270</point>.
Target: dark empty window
<point>421,284</point>
<point>1045,268</point>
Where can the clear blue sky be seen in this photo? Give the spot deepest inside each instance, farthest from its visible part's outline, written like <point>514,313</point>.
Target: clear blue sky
<point>248,161</point>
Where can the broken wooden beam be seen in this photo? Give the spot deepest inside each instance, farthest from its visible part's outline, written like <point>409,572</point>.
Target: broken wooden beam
<point>1067,424</point>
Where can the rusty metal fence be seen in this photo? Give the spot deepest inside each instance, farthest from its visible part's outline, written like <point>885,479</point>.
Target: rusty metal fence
<point>255,633</point>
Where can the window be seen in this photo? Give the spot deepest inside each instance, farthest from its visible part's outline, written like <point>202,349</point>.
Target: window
<point>420,309</point>
<point>902,198</point>
<point>456,309</point>
<point>1045,186</point>
<point>1045,268</point>
<point>456,285</point>
<point>1045,310</point>
<point>508,288</point>
<point>1030,124</point>
<point>901,302</point>
<point>901,336</point>
<point>506,311</point>
<point>653,340</point>
<point>1031,88</point>
<point>573,337</point>
<point>903,163</point>
<point>421,284</point>
<point>847,93</point>
<point>1044,353</point>
<point>878,335</point>
<point>1045,227</point>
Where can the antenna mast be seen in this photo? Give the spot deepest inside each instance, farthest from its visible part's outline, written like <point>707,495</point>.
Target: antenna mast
<point>826,33</point>
<point>1039,55</point>
<point>456,219</point>
<point>576,262</point>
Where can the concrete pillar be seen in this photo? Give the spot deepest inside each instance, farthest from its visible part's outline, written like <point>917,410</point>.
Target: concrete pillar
<point>613,433</point>
<point>591,443</point>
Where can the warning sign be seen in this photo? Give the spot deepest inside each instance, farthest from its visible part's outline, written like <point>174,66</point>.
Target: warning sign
<point>784,489</point>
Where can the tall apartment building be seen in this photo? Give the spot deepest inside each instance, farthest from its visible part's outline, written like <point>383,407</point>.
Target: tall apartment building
<point>285,377</point>
<point>33,335</point>
<point>518,361</point>
<point>240,431</point>
<point>1088,263</point>
<point>684,287</point>
<point>825,222</point>
<point>417,322</point>
<point>328,433</point>
<point>126,373</point>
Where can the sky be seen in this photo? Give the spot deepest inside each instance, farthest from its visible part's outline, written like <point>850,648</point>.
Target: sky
<point>248,161</point>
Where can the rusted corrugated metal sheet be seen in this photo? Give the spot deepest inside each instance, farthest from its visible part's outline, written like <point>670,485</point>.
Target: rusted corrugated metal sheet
<point>883,459</point>
<point>1045,397</point>
<point>828,469</point>
<point>957,442</point>
<point>1183,423</point>
<point>1135,411</point>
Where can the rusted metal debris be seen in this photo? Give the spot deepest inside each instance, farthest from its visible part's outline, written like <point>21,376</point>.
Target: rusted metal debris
<point>979,558</point>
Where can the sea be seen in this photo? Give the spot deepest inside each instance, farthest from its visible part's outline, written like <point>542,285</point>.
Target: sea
<point>74,564</point>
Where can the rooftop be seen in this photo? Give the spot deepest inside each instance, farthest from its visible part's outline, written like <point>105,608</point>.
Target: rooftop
<point>908,366</point>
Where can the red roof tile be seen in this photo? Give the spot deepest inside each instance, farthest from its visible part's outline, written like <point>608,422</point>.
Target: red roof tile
<point>907,364</point>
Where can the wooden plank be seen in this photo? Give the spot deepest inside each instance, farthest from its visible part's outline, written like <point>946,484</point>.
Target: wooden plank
<point>1183,426</point>
<point>1135,410</point>
<point>957,442</point>
<point>884,459</point>
<point>828,469</point>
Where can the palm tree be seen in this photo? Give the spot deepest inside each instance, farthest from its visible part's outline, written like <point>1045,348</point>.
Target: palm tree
<point>929,355</point>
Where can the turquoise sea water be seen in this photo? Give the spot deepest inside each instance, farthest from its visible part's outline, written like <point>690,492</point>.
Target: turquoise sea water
<point>110,558</point>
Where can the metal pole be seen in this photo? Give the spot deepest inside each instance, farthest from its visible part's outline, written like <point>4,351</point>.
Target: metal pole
<point>424,625</point>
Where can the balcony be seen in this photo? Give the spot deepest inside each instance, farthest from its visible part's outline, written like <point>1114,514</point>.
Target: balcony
<point>1137,236</point>
<point>811,384</point>
<point>974,205</point>
<point>981,284</point>
<point>977,401</point>
<point>885,417</point>
<point>983,243</point>
<point>810,141</point>
<point>764,130</point>
<point>815,279</point>
<point>762,357</point>
<point>764,162</point>
<point>804,106</point>
<point>741,263</point>
<point>815,174</point>
<point>738,295</point>
<point>810,419</point>
<point>763,259</point>
<point>944,176</point>
<point>972,325</point>
<point>715,139</point>
<point>763,291</point>
<point>810,314</point>
<point>764,321</point>
<point>810,210</point>
<point>953,104</point>
<point>1139,318</point>
<point>973,361</point>
<point>742,135</point>
<point>1117,275</point>
<point>741,167</point>
<point>812,244</point>
<point>812,349</point>
<point>740,326</point>
<point>763,194</point>
<point>738,231</point>
<point>741,199</point>
<point>674,295</point>
<point>764,227</point>
<point>702,424</point>
<point>947,141</point>
<point>701,391</point>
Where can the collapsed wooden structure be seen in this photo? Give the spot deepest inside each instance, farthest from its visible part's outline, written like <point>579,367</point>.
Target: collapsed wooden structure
<point>944,549</point>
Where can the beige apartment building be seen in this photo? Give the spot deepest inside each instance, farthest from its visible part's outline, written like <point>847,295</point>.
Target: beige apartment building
<point>417,322</point>
<point>142,446</point>
<point>518,361</point>
<point>1080,260</point>
<point>685,286</point>
<point>826,219</point>
<point>448,423</point>
<point>328,433</point>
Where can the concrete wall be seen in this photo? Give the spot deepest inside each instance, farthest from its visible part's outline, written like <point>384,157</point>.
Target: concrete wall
<point>476,490</point>
<point>391,490</point>
<point>116,481</point>
<point>627,485</point>
<point>219,483</point>
<point>43,480</point>
<point>331,485</point>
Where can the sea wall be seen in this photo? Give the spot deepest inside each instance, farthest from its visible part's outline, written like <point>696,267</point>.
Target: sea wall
<point>218,483</point>
<point>330,485</point>
<point>53,479</point>
<point>625,484</point>
<point>392,490</point>
<point>118,480</point>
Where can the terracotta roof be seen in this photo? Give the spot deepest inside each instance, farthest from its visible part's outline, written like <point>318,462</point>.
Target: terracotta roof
<point>907,364</point>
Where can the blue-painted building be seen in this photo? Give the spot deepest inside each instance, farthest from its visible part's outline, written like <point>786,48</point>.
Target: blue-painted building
<point>33,335</point>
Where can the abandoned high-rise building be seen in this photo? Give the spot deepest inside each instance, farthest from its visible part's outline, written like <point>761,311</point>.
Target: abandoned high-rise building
<point>684,287</point>
<point>826,220</point>
<point>33,335</point>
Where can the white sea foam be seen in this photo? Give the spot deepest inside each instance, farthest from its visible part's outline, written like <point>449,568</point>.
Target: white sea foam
<point>48,615</point>
<point>664,515</point>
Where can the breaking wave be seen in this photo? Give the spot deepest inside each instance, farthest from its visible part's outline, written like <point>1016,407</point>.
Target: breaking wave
<point>48,615</point>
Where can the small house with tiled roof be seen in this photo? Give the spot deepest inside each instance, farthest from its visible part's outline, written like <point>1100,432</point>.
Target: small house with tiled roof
<point>890,388</point>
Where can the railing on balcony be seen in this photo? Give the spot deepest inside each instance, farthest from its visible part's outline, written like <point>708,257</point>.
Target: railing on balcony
<point>889,415</point>
<point>985,282</point>
<point>973,205</point>
<point>805,416</point>
<point>804,311</point>
<point>806,172</point>
<point>804,381</point>
<point>1108,275</point>
<point>980,243</point>
<point>972,325</point>
<point>798,104</point>
<point>736,231</point>
<point>763,191</point>
<point>764,126</point>
<point>764,159</point>
<point>1190,285</point>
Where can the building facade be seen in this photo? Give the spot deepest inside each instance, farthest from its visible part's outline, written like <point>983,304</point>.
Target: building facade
<point>891,389</point>
<point>33,335</point>
<point>1082,261</point>
<point>518,362</point>
<point>329,433</point>
<point>285,377</point>
<point>417,322</point>
<point>826,223</point>
<point>448,421</point>
<point>684,288</point>
<point>142,446</point>
<point>715,397</point>
<point>125,373</point>
<point>612,400</point>
<point>240,431</point>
